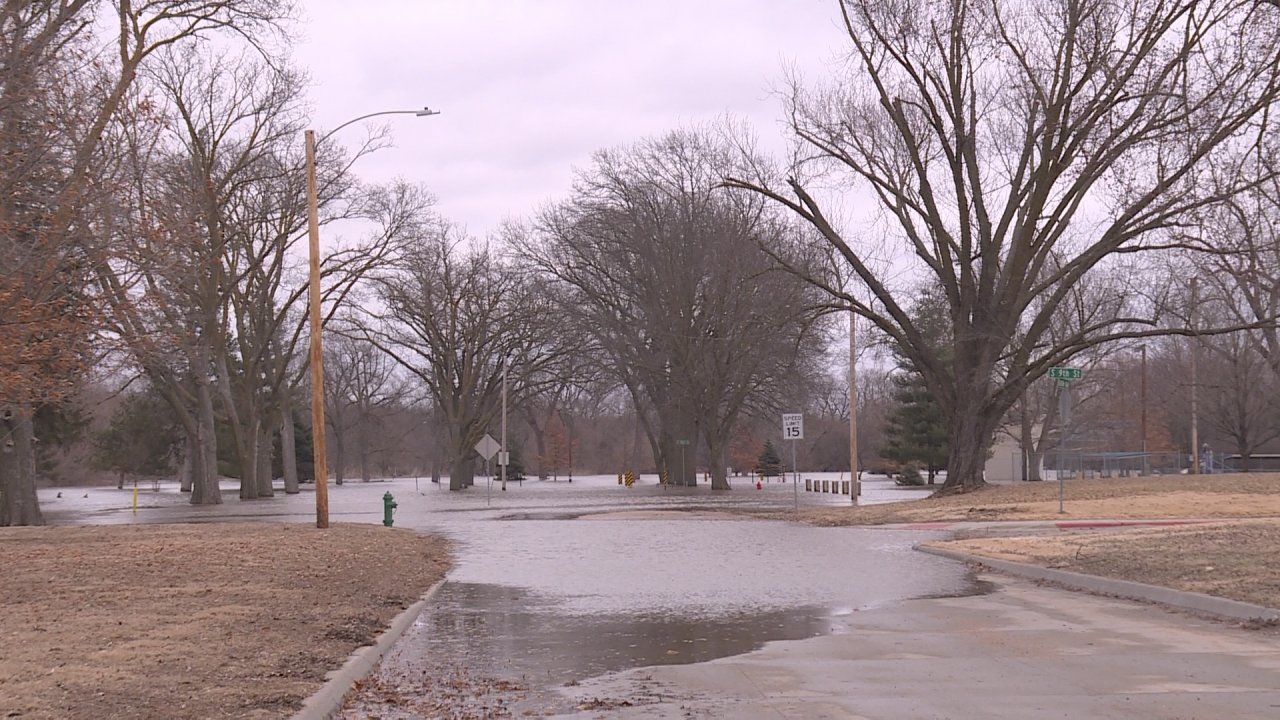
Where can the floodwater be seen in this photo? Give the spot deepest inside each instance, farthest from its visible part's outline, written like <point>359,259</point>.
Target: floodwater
<point>557,582</point>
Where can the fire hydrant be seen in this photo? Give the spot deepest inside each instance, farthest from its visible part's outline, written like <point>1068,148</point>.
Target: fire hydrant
<point>388,508</point>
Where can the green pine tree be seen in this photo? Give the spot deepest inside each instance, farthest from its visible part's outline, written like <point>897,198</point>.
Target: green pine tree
<point>143,438</point>
<point>916,430</point>
<point>769,464</point>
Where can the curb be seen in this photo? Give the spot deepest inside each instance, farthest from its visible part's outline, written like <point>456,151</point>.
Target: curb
<point>327,701</point>
<point>1198,602</point>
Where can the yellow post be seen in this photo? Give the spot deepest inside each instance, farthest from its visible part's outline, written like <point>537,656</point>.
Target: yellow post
<point>135,497</point>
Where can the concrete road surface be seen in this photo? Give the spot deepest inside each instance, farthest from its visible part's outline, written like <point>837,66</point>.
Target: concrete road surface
<point>1023,652</point>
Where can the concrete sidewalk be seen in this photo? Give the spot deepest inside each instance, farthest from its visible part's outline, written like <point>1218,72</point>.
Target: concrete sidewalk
<point>1031,527</point>
<point>1021,653</point>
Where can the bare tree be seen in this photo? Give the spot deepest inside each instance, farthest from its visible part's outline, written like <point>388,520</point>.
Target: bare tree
<point>42,42</point>
<point>659,266</point>
<point>360,387</point>
<point>457,316</point>
<point>996,136</point>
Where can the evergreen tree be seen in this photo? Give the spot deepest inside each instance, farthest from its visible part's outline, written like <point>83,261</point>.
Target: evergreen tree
<point>143,438</point>
<point>917,430</point>
<point>769,464</point>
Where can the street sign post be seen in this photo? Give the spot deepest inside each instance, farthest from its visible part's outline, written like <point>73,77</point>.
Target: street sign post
<point>1064,376</point>
<point>682,444</point>
<point>793,430</point>
<point>487,447</point>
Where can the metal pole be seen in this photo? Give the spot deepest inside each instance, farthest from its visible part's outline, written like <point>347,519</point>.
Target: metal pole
<point>855,487</point>
<point>317,367</point>
<point>1063,399</point>
<point>1195,351</point>
<point>795,477</point>
<point>1146,470</point>
<point>488,493</point>
<point>504,458</point>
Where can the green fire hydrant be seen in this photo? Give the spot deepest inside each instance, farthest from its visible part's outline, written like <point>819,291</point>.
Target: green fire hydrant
<point>388,508</point>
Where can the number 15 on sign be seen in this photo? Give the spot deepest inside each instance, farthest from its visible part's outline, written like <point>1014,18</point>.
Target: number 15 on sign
<point>793,426</point>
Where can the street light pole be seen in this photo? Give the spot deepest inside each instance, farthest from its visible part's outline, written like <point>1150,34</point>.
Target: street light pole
<point>319,456</point>
<point>1146,470</point>
<point>504,457</point>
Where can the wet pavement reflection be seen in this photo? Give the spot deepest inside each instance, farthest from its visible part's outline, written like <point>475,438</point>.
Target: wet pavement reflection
<point>507,633</point>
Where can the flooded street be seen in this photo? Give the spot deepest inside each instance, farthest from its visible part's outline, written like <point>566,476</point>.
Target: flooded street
<point>557,582</point>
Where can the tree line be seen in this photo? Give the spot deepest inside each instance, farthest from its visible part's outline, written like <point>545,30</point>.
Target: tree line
<point>992,188</point>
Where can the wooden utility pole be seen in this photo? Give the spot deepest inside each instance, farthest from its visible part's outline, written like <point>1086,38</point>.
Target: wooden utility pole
<point>317,366</point>
<point>855,486</point>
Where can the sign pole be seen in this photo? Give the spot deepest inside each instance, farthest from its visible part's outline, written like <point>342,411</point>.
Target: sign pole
<point>1062,431</point>
<point>795,475</point>
<point>1064,376</point>
<point>793,430</point>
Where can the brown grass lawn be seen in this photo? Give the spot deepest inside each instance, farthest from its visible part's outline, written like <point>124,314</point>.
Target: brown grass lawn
<point>1235,560</point>
<point>195,621</point>
<point>1157,497</point>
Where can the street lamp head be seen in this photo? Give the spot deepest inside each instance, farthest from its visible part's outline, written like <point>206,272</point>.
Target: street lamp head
<point>426,111</point>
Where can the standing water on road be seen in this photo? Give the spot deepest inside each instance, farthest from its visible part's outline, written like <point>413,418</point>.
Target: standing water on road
<point>556,582</point>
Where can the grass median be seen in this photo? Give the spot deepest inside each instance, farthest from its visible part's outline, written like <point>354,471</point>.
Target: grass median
<point>1251,495</point>
<point>1233,558</point>
<point>195,621</point>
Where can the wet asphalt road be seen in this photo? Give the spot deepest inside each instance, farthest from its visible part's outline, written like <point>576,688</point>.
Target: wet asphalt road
<point>558,582</point>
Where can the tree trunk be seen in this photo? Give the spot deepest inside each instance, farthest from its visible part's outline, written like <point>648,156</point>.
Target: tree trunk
<point>288,447</point>
<point>716,449</point>
<point>185,473</point>
<point>205,489</point>
<point>462,471</point>
<point>1030,469</point>
<point>266,483</point>
<point>248,449</point>
<point>362,447</point>
<point>19,503</point>
<point>970,438</point>
<point>637,436</point>
<point>339,454</point>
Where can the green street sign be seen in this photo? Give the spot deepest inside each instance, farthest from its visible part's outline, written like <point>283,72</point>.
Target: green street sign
<point>682,442</point>
<point>1065,373</point>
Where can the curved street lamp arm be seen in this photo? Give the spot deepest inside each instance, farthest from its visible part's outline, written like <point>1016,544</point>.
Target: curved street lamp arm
<point>420,113</point>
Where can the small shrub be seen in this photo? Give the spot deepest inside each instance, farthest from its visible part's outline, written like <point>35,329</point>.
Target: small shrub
<point>909,476</point>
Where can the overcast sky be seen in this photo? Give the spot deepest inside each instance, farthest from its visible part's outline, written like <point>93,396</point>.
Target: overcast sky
<point>528,89</point>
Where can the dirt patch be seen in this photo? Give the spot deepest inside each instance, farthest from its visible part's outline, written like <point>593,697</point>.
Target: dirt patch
<point>195,621</point>
<point>1234,560</point>
<point>1251,495</point>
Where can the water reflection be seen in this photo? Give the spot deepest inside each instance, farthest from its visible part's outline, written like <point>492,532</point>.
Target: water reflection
<point>510,633</point>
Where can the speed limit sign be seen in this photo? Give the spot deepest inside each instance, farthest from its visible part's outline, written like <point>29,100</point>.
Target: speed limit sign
<point>793,426</point>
